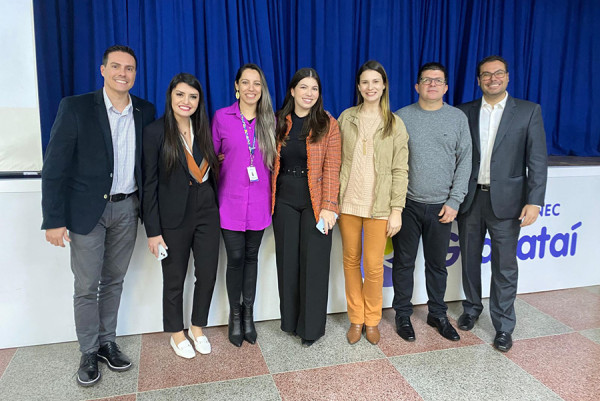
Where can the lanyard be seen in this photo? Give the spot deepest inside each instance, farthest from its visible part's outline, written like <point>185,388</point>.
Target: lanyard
<point>250,147</point>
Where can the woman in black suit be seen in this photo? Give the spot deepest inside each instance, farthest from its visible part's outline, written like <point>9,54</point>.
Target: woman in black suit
<point>180,209</point>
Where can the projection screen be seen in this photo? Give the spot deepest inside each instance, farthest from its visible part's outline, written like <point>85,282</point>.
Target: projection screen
<point>20,133</point>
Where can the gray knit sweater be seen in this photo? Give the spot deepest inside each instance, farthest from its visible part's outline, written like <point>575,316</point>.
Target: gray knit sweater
<point>439,162</point>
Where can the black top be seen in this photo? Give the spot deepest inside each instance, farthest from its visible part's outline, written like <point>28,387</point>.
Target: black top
<point>293,153</point>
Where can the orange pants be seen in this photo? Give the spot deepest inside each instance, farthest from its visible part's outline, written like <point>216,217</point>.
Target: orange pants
<point>364,299</point>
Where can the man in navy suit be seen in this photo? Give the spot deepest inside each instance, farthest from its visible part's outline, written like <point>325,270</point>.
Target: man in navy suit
<point>506,191</point>
<point>91,183</point>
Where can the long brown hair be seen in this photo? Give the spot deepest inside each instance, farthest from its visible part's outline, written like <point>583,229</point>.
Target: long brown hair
<point>202,136</point>
<point>265,119</point>
<point>318,119</point>
<point>384,101</point>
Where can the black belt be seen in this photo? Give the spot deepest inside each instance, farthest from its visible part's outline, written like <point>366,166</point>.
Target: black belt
<point>483,187</point>
<point>296,171</point>
<point>120,197</point>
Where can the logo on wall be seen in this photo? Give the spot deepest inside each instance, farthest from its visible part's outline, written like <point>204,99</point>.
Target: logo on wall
<point>536,246</point>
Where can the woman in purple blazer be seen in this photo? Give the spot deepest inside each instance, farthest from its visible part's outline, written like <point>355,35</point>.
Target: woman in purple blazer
<point>244,133</point>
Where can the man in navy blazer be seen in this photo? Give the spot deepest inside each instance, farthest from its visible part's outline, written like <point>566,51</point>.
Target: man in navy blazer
<point>506,191</point>
<point>91,184</point>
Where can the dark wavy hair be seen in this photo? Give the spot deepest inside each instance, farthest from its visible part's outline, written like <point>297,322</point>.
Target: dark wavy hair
<point>265,119</point>
<point>318,119</point>
<point>202,136</point>
<point>384,101</point>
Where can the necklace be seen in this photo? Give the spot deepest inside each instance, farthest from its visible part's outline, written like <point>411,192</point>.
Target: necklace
<point>366,130</point>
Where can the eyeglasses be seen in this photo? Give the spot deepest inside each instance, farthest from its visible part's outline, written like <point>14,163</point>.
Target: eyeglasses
<point>429,81</point>
<point>485,76</point>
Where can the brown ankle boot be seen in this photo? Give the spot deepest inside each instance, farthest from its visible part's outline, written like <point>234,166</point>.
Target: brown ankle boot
<point>372,334</point>
<point>354,333</point>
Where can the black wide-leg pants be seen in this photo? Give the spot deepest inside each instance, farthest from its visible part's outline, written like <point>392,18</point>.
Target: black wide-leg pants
<point>302,255</point>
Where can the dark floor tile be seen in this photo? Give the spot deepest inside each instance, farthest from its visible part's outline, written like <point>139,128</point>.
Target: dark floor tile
<point>128,397</point>
<point>5,356</point>
<point>283,352</point>
<point>48,372</point>
<point>427,337</point>
<point>259,388</point>
<point>575,307</point>
<point>531,322</point>
<point>475,373</point>
<point>160,368</point>
<point>568,364</point>
<point>370,380</point>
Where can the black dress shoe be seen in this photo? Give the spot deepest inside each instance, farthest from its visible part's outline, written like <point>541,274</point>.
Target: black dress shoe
<point>444,327</point>
<point>467,322</point>
<point>236,336</point>
<point>503,341</point>
<point>88,373</point>
<point>111,355</point>
<point>307,343</point>
<point>404,328</point>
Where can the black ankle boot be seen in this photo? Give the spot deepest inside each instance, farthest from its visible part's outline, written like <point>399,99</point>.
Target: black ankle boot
<point>236,337</point>
<point>249,329</point>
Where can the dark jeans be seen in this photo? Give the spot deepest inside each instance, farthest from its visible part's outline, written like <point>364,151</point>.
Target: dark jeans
<point>420,220</point>
<point>242,264</point>
<point>198,232</point>
<point>302,255</point>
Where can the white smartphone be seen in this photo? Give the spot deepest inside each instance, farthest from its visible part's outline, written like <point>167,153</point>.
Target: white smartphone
<point>321,224</point>
<point>162,252</point>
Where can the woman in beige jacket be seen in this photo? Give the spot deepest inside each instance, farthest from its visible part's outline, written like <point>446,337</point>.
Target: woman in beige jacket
<point>373,181</point>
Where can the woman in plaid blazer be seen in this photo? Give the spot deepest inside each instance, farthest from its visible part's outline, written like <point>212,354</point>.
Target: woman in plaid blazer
<point>305,185</point>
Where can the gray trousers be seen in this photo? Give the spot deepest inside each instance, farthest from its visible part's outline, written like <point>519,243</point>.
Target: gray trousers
<point>504,234</point>
<point>99,261</point>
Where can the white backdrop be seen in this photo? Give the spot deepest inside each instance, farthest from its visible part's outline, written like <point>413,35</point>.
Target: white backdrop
<point>36,285</point>
<point>20,132</point>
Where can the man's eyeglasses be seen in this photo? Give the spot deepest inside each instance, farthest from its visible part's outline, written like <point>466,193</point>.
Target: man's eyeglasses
<point>429,81</point>
<point>485,76</point>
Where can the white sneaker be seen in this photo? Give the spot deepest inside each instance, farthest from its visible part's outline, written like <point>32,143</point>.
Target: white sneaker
<point>201,343</point>
<point>184,349</point>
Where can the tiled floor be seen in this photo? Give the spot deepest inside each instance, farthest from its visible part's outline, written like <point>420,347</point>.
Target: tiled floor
<point>556,356</point>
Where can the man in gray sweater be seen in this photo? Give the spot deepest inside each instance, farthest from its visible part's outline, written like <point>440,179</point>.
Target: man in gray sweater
<point>439,167</point>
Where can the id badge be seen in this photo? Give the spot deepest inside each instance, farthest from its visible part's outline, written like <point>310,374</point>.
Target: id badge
<point>252,174</point>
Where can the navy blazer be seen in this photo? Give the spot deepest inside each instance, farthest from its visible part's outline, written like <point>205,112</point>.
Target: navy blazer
<point>519,163</point>
<point>78,164</point>
<point>166,193</point>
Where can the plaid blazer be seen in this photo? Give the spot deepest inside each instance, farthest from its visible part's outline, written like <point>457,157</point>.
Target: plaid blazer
<point>323,159</point>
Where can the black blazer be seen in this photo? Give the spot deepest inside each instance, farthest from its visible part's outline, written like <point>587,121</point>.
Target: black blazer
<point>78,164</point>
<point>165,194</point>
<point>519,163</point>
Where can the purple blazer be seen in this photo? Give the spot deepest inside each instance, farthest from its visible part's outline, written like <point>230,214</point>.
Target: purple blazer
<point>243,205</point>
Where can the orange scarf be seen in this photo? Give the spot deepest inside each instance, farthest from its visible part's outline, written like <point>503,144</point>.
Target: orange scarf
<point>196,172</point>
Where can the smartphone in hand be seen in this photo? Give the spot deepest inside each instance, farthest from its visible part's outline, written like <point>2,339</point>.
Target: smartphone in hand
<point>162,252</point>
<point>321,225</point>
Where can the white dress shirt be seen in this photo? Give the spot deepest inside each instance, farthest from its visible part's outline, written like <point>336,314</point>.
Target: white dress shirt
<point>489,120</point>
<point>122,130</point>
